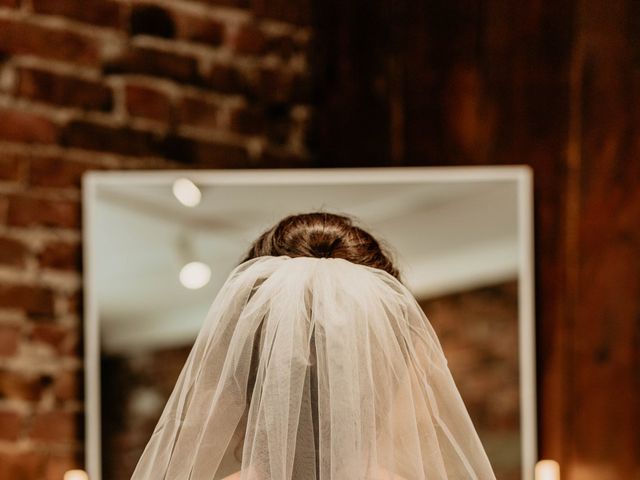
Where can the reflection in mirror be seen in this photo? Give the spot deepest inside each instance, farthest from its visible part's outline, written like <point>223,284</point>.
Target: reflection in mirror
<point>160,245</point>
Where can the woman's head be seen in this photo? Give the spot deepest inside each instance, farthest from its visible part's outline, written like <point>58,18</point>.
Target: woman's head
<point>321,234</point>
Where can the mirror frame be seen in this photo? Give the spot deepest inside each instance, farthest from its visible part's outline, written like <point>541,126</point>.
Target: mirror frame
<point>521,174</point>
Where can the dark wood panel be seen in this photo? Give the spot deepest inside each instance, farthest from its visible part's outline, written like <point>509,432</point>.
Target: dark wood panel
<point>605,321</point>
<point>554,85</point>
<point>350,125</point>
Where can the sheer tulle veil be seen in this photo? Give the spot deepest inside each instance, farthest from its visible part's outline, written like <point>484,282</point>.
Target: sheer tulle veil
<point>314,369</point>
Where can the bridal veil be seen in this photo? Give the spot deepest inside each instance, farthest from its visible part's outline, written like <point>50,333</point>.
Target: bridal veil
<point>314,369</point>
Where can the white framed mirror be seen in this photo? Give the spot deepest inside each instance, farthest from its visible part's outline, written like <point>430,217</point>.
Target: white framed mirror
<point>461,236</point>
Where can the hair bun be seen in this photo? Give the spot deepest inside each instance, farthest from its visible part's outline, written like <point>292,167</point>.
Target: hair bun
<point>322,235</point>
<point>324,245</point>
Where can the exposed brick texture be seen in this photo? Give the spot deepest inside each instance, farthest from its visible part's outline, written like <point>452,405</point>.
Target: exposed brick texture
<point>27,127</point>
<point>154,62</point>
<point>148,102</point>
<point>64,90</point>
<point>61,255</point>
<point>22,465</point>
<point>248,119</point>
<point>12,252</point>
<point>16,385</point>
<point>12,168</point>
<point>67,385</point>
<point>106,138</point>
<point>100,12</point>
<point>58,339</point>
<point>283,10</point>
<point>228,3</point>
<point>57,171</point>
<point>197,29</point>
<point>24,38</point>
<point>249,40</point>
<point>36,301</point>
<point>197,112</point>
<point>25,211</point>
<point>101,84</point>
<point>12,424</point>
<point>206,153</point>
<point>226,78</point>
<point>56,426</point>
<point>9,340</point>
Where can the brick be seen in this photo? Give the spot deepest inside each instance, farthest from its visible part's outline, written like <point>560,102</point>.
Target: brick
<point>227,3</point>
<point>99,12</point>
<point>22,38</point>
<point>22,386</point>
<point>249,40</point>
<point>16,465</point>
<point>68,385</point>
<point>247,119</point>
<point>12,252</point>
<point>27,211</point>
<point>226,79</point>
<point>12,167</point>
<point>4,209</point>
<point>206,154</point>
<point>26,127</point>
<point>122,140</point>
<point>199,29</point>
<point>148,102</point>
<point>66,90</point>
<point>57,426</point>
<point>11,425</point>
<point>9,340</point>
<point>58,172</point>
<point>35,301</point>
<point>298,13</point>
<point>156,63</point>
<point>61,256</point>
<point>282,45</point>
<point>274,85</point>
<point>61,339</point>
<point>59,463</point>
<point>198,112</point>
<point>75,302</point>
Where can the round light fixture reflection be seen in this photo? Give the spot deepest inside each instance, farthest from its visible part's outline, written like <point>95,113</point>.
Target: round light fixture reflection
<point>195,275</point>
<point>187,192</point>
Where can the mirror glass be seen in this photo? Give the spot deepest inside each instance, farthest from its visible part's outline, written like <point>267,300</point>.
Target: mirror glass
<point>160,244</point>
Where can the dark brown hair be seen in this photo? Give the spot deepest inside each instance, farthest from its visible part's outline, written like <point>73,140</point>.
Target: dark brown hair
<point>321,234</point>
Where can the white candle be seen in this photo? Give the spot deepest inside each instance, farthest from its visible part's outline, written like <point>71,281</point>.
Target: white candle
<point>76,475</point>
<point>547,470</point>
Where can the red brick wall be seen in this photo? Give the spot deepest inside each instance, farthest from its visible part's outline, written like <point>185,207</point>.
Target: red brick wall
<point>101,84</point>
